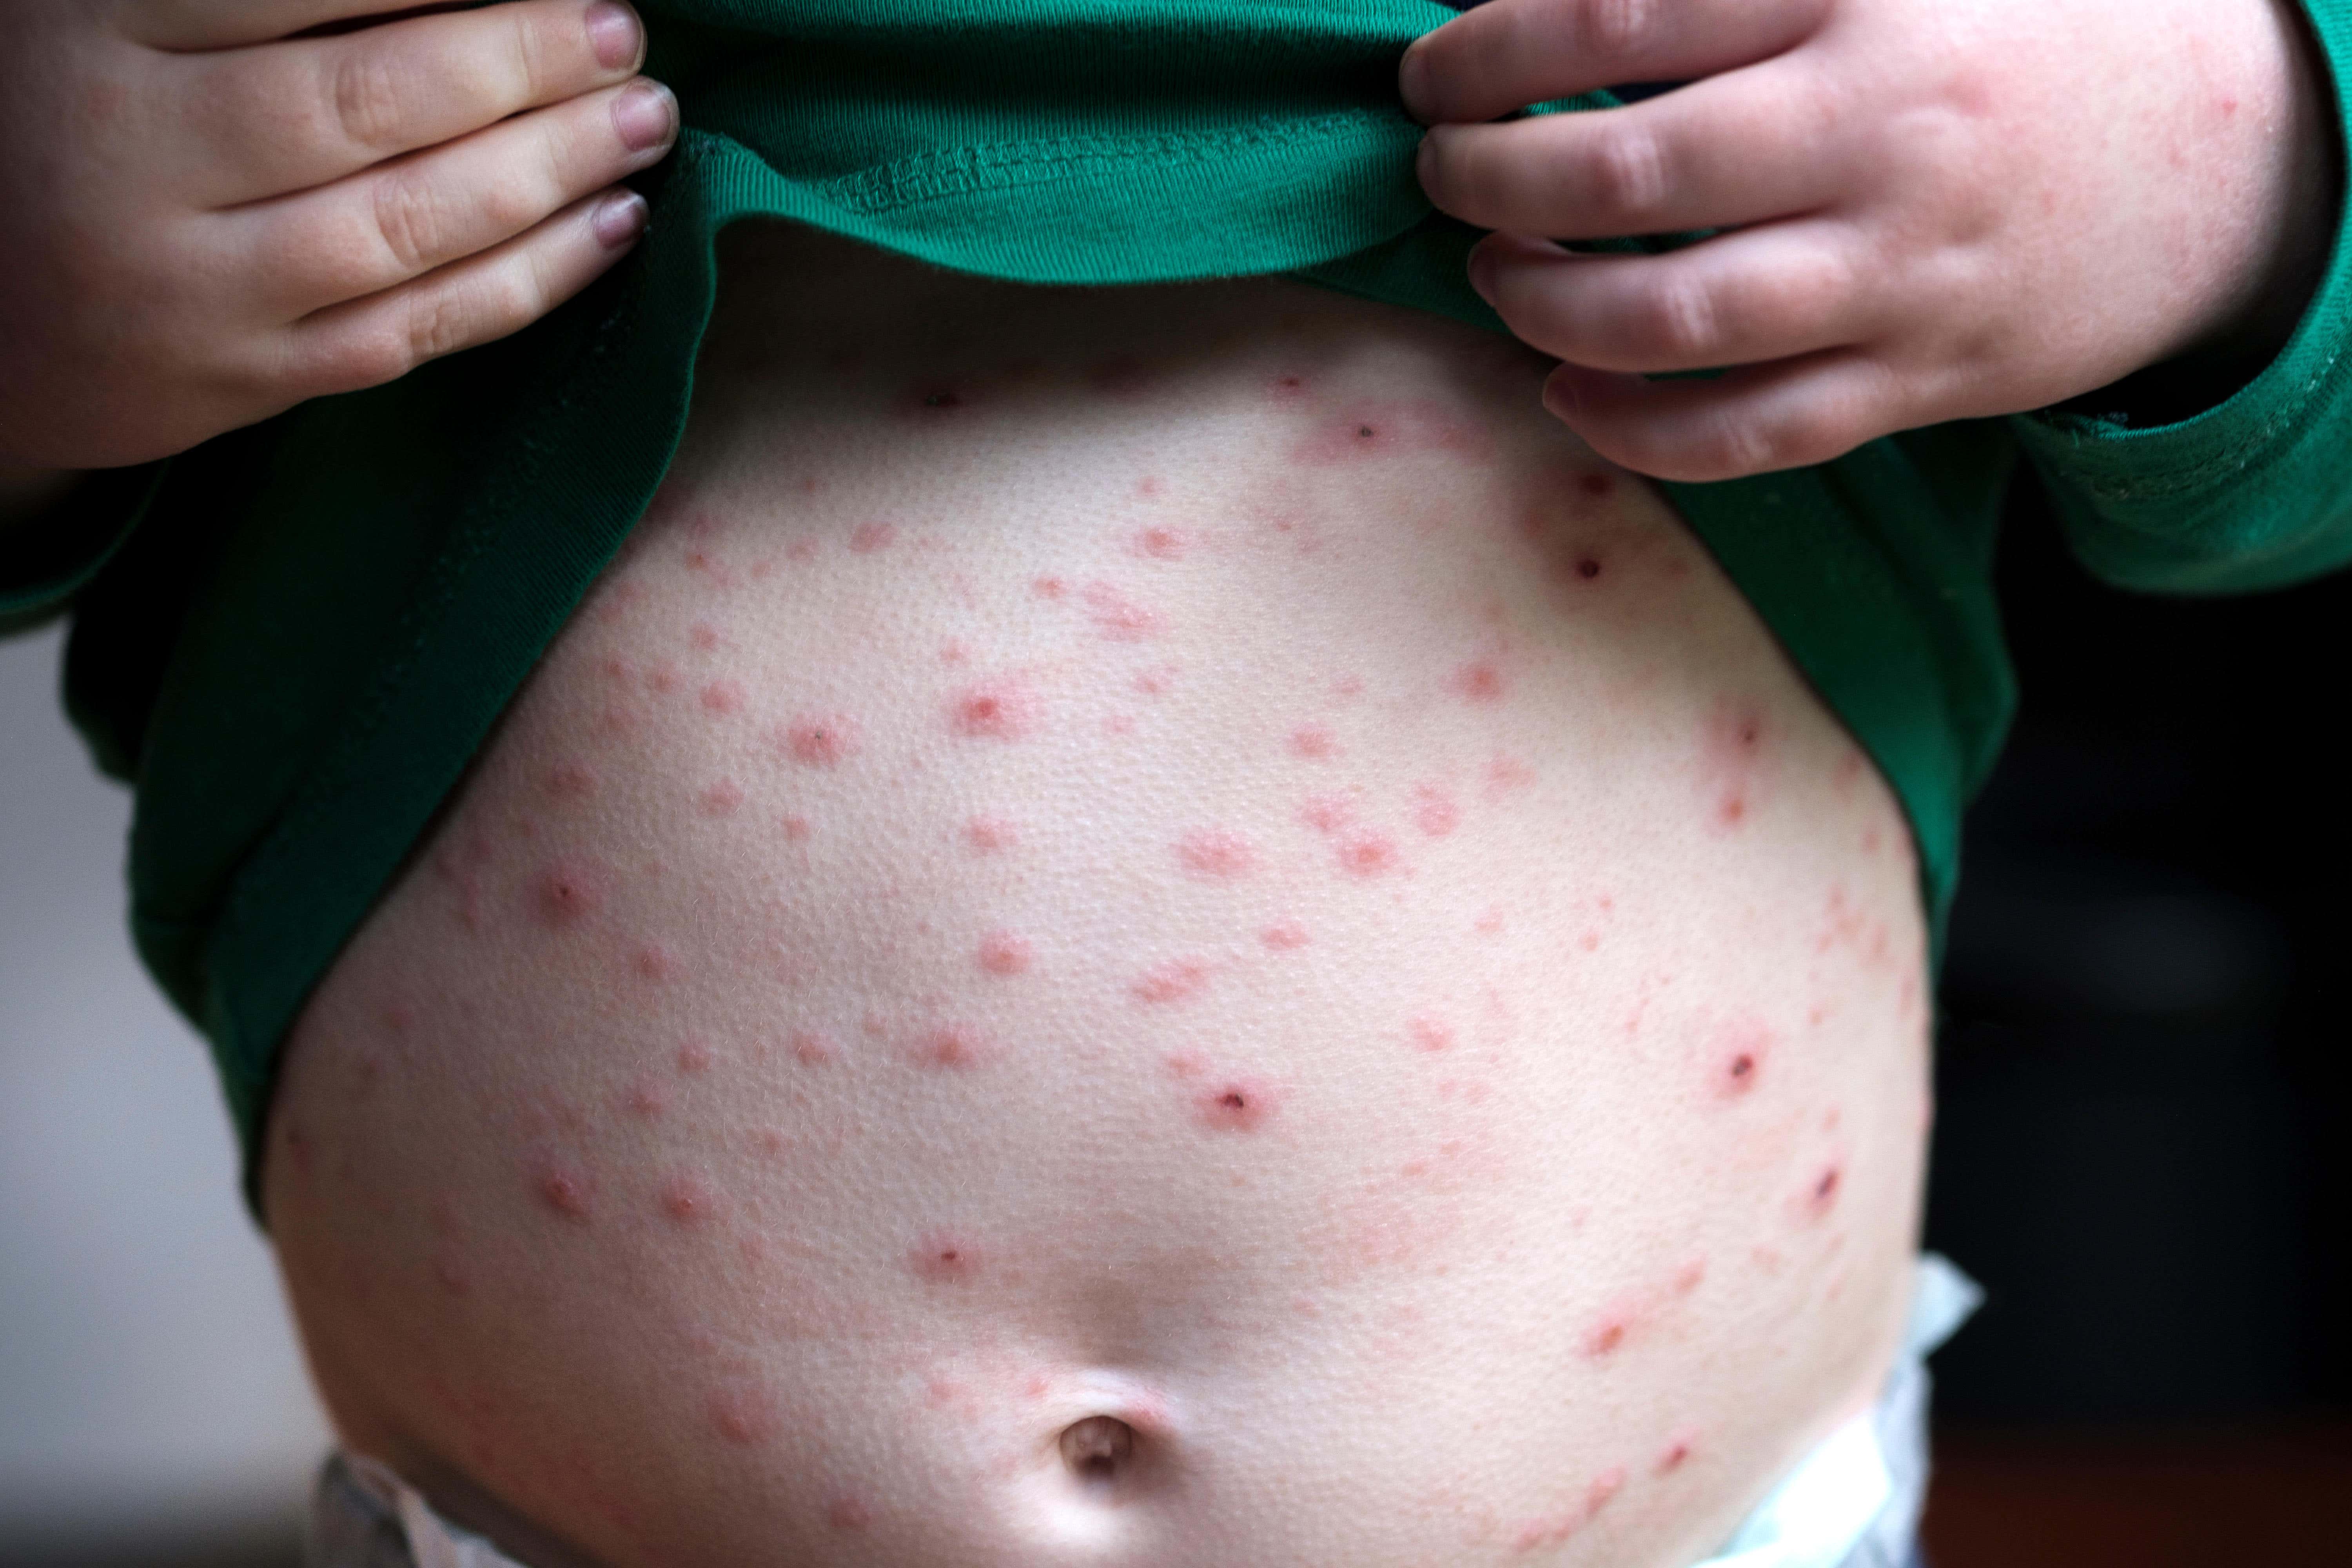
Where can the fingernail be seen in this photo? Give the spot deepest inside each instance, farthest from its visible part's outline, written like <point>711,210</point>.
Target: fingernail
<point>1412,83</point>
<point>619,219</point>
<point>646,115</point>
<point>613,34</point>
<point>1482,274</point>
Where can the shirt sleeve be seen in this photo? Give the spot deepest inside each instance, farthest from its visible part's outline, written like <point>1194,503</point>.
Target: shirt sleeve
<point>2254,492</point>
<point>56,554</point>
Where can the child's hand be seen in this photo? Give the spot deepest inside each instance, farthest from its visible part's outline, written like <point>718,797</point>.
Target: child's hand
<point>1939,211</point>
<point>205,219</point>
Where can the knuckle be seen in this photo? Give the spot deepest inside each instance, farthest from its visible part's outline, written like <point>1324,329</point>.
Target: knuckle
<point>412,217</point>
<point>1629,171</point>
<point>1613,29</point>
<point>440,322</point>
<point>1678,318</point>
<point>530,44</point>
<point>367,97</point>
<point>364,359</point>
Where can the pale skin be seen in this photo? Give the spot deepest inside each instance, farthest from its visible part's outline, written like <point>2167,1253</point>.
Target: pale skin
<point>1163,930</point>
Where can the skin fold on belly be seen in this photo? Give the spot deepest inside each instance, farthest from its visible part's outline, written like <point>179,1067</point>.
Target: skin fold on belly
<point>1144,927</point>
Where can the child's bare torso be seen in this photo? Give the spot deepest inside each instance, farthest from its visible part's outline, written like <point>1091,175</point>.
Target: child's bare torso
<point>1143,928</point>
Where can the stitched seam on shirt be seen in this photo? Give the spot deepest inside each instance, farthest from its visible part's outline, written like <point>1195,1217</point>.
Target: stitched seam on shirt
<point>960,170</point>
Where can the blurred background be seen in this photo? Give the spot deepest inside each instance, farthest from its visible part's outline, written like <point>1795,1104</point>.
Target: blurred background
<point>2144,1150</point>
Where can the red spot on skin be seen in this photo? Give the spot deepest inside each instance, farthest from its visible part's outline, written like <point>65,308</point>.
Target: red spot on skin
<point>652,961</point>
<point>1002,953</point>
<point>1731,752</point>
<point>687,1201</point>
<point>1604,1337</point>
<point>1118,619</point>
<point>704,636</point>
<point>868,537</point>
<point>987,834</point>
<point>999,709</point>
<point>565,894</point>
<point>847,1513</point>
<point>724,798</point>
<point>648,1098</point>
<point>565,1191</point>
<point>1367,854</point>
<point>662,678</point>
<point>796,829</point>
<point>944,1258</point>
<point>1391,428</point>
<point>1742,1051</point>
<point>1507,775</point>
<point>1314,742</point>
<point>694,1056</point>
<point>1216,854</point>
<point>1150,487</point>
<point>1690,1276</point>
<point>1479,681</point>
<point>1822,1193</point>
<point>954,652</point>
<point>1156,682</point>
<point>1176,980</point>
<point>1677,1452</point>
<point>1604,1488</point>
<point>1489,922</point>
<point>952,1047</point>
<point>1431,1034</point>
<point>1161,543</point>
<point>801,551</point>
<point>1236,1105</point>
<point>744,1416</point>
<point>1599,486</point>
<point>821,740</point>
<point>570,781</point>
<point>814,1047</point>
<point>1284,936</point>
<point>1049,587</point>
<point>1287,388</point>
<point>1585,567</point>
<point>1328,813</point>
<point>1433,811</point>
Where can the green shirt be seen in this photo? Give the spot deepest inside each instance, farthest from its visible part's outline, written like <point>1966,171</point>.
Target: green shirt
<point>308,627</point>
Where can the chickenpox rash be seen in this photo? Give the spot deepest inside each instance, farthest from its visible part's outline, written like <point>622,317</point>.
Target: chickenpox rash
<point>1742,1048</point>
<point>944,1257</point>
<point>847,1513</point>
<point>987,835</point>
<point>744,1416</point>
<point>1390,428</point>
<point>1506,776</point>
<point>1677,1452</point>
<point>723,696</point>
<point>646,1099</point>
<point>1368,853</point>
<point>1049,587</point>
<point>801,551</point>
<point>1328,813</point>
<point>1229,1104</point>
<point>1179,979</point>
<point>1430,1034</point>
<point>1284,936</point>
<point>868,538</point>
<point>570,781</point>
<point>1731,753</point>
<point>1159,543</point>
<point>652,963</point>
<point>565,1191</point>
<point>1117,618</point>
<point>814,1047</point>
<point>694,1057</point>
<point>1001,709</point>
<point>1479,680</point>
<point>1315,742</point>
<point>1003,954</point>
<point>1821,1194</point>
<point>704,637</point>
<point>797,829</point>
<point>566,894</point>
<point>687,1202</point>
<point>1607,1336</point>
<point>952,1047</point>
<point>1435,811</point>
<point>1216,854</point>
<point>722,798</point>
<point>820,740</point>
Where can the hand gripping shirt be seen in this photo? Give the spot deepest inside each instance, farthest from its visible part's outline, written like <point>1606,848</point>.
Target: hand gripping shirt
<point>306,630</point>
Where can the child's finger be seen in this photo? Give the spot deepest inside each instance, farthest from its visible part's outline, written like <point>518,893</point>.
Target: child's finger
<point>1737,148</point>
<point>1509,54</point>
<point>370,342</point>
<point>1765,294</point>
<point>230,23</point>
<point>388,224</point>
<point>1790,415</point>
<point>281,117</point>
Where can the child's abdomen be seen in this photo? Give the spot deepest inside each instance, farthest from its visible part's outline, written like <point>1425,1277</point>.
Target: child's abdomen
<point>1186,857</point>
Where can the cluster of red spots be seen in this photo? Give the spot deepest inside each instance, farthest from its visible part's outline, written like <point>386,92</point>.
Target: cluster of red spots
<point>1177,980</point>
<point>687,1202</point>
<point>1284,936</point>
<point>565,1191</point>
<point>987,834</point>
<point>744,1416</point>
<point>1435,811</point>
<point>1368,853</point>
<point>1390,428</point>
<point>998,709</point>
<point>723,696</point>
<point>1216,854</point>
<point>566,893</point>
<point>797,829</point>
<point>1316,743</point>
<point>570,781</point>
<point>1118,619</point>
<point>1478,681</point>
<point>652,963</point>
<point>1731,749</point>
<point>845,1512</point>
<point>723,797</point>
<point>1159,542</point>
<point>814,1047</point>
<point>868,537</point>
<point>952,1047</point>
<point>1430,1034</point>
<point>1003,954</point>
<point>820,740</point>
<point>944,1257</point>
